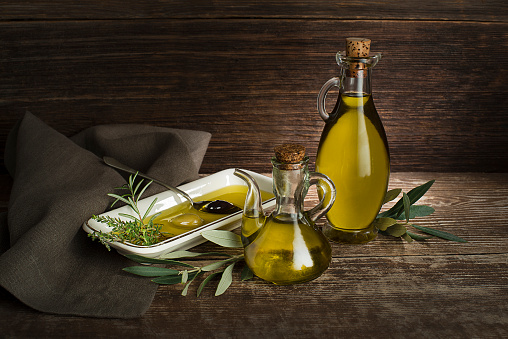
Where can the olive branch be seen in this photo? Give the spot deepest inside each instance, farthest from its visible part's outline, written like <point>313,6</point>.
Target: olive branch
<point>394,221</point>
<point>222,268</point>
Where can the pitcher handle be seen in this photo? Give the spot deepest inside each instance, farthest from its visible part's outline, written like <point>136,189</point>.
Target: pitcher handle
<point>321,106</point>
<point>329,193</point>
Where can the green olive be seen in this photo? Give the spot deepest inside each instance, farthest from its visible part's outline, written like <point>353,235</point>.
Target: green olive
<point>187,220</point>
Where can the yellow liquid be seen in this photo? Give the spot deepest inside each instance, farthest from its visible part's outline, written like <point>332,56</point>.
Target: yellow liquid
<point>288,252</point>
<point>251,227</point>
<point>353,152</point>
<point>234,194</point>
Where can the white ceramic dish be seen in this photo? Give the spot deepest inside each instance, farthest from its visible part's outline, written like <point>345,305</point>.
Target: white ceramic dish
<point>168,199</point>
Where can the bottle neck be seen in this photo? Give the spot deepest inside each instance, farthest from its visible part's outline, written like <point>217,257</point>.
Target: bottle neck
<point>356,73</point>
<point>289,185</point>
<point>356,82</point>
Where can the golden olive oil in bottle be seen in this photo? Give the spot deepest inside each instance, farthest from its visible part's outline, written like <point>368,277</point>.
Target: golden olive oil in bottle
<point>285,247</point>
<point>353,150</point>
<point>272,257</point>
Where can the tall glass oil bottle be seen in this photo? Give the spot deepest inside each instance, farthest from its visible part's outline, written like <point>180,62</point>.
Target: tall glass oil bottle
<point>353,150</point>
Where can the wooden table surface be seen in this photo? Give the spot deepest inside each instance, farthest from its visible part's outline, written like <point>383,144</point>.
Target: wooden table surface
<point>387,288</point>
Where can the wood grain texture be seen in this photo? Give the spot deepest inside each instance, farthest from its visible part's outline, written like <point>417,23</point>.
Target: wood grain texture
<point>469,10</point>
<point>385,289</point>
<point>249,72</point>
<point>253,83</point>
<point>426,297</point>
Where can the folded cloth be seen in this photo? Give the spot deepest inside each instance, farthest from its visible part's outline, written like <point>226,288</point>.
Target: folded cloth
<point>50,263</point>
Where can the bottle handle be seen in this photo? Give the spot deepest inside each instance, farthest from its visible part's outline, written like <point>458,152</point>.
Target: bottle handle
<point>333,82</point>
<point>328,188</point>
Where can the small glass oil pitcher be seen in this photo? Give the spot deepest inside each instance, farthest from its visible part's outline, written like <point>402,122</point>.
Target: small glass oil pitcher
<point>353,150</point>
<point>285,247</point>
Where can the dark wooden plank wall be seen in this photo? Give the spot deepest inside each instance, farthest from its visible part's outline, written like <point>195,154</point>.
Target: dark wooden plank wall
<point>249,73</point>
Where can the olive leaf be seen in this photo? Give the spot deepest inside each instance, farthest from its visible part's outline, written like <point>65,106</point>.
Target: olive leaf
<point>172,279</point>
<point>145,260</point>
<point>440,234</point>
<point>414,195</point>
<point>150,271</point>
<point>396,230</point>
<point>185,276</point>
<point>215,265</point>
<point>168,280</point>
<point>417,211</point>
<point>204,282</point>
<point>383,223</point>
<point>223,238</point>
<point>391,194</point>
<point>419,237</point>
<point>226,280</point>
<point>188,254</point>
<point>407,205</point>
<point>186,288</point>
<point>407,237</point>
<point>246,273</point>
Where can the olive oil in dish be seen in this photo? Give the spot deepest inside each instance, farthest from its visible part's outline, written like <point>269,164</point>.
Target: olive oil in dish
<point>183,218</point>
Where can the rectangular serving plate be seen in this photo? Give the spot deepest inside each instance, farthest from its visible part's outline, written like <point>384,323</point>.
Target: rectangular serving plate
<point>168,199</point>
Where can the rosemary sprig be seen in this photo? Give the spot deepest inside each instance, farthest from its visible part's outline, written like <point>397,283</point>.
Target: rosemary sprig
<point>134,230</point>
<point>395,221</point>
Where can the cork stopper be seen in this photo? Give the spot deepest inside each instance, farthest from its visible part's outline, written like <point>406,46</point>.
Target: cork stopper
<point>289,154</point>
<point>358,48</point>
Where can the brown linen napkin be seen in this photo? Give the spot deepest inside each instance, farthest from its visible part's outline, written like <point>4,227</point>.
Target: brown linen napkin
<point>51,265</point>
